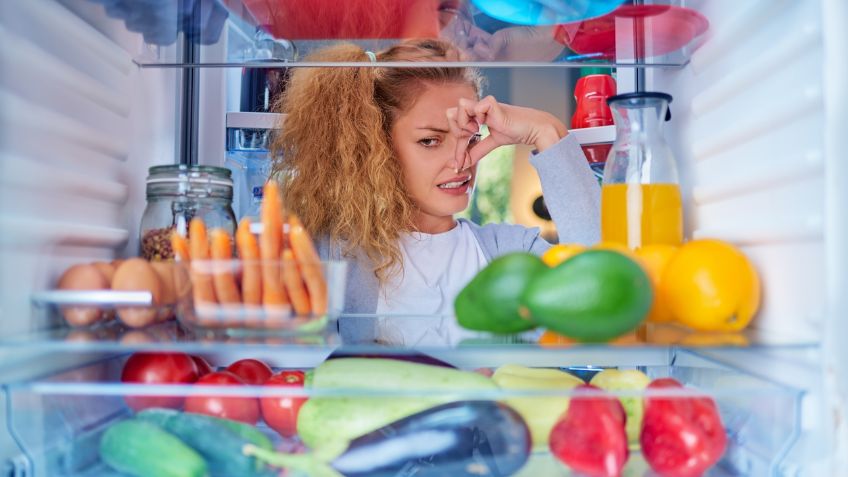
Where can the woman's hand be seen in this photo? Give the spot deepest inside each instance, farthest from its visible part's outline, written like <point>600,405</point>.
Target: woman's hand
<point>507,125</point>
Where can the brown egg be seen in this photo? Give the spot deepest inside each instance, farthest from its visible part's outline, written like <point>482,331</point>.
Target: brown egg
<point>165,271</point>
<point>107,269</point>
<point>82,277</point>
<point>136,274</point>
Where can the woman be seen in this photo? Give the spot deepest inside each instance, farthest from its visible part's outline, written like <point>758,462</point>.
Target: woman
<point>378,160</point>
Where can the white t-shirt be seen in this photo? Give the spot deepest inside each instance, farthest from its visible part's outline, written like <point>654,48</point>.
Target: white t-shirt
<point>436,267</point>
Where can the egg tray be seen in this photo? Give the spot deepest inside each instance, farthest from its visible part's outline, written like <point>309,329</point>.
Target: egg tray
<point>111,306</point>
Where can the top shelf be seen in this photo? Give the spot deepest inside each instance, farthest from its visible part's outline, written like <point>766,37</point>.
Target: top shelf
<point>487,33</point>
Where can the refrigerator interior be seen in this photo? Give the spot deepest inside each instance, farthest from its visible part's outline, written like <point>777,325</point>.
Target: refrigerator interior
<point>758,111</point>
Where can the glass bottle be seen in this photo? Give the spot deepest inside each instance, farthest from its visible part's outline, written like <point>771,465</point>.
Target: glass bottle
<point>175,195</point>
<point>640,196</point>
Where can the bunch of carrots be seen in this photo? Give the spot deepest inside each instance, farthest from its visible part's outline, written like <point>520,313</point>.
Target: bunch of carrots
<point>279,271</point>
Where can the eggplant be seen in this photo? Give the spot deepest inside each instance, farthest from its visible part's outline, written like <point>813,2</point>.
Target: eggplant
<point>411,357</point>
<point>460,439</point>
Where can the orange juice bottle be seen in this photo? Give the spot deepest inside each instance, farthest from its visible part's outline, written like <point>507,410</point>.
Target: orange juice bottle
<point>640,196</point>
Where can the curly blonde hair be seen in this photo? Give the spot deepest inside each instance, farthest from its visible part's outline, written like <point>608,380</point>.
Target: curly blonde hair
<point>335,161</point>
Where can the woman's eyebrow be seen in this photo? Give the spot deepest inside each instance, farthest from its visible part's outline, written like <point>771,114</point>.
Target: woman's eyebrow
<point>433,128</point>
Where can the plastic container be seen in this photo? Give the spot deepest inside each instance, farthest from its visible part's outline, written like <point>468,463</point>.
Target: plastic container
<point>308,316</point>
<point>591,111</point>
<point>59,420</point>
<point>175,195</point>
<point>640,196</point>
<point>249,138</point>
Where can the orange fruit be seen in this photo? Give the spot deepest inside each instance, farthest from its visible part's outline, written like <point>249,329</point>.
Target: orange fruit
<point>710,285</point>
<point>620,248</point>
<point>551,339</point>
<point>560,253</point>
<point>654,260</point>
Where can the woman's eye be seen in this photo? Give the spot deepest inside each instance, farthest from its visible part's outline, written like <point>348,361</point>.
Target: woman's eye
<point>474,140</point>
<point>429,142</point>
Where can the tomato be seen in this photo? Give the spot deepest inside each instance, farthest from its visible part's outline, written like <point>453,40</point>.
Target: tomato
<point>244,409</point>
<point>280,413</point>
<point>251,371</point>
<point>203,366</point>
<point>158,368</point>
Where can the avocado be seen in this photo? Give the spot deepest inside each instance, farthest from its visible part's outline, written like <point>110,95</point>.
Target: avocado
<point>490,301</point>
<point>594,296</point>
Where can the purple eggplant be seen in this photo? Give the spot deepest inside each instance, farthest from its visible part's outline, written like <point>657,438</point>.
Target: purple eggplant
<point>411,357</point>
<point>460,439</point>
<point>470,438</point>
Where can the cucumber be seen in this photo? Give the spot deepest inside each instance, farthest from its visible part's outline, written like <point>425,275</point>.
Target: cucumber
<point>221,447</point>
<point>329,423</point>
<point>256,437</point>
<point>143,449</point>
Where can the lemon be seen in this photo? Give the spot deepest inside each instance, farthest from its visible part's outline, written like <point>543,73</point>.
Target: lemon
<point>710,285</point>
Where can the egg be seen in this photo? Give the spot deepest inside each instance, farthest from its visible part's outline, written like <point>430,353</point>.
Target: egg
<point>82,277</point>
<point>107,269</point>
<point>136,274</point>
<point>165,271</point>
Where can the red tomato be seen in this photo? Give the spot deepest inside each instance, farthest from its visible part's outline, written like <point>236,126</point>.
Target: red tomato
<point>203,366</point>
<point>251,371</point>
<point>158,368</point>
<point>280,413</point>
<point>244,409</point>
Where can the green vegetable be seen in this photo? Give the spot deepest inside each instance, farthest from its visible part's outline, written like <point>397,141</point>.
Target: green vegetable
<point>540,413</point>
<point>327,424</point>
<point>490,301</point>
<point>221,447</point>
<point>144,449</point>
<point>256,437</point>
<point>634,407</point>
<point>593,296</point>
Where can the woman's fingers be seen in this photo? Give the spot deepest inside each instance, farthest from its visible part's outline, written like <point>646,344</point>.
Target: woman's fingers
<point>479,151</point>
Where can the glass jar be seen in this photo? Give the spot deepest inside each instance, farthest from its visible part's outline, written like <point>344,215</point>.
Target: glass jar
<point>640,196</point>
<point>175,195</point>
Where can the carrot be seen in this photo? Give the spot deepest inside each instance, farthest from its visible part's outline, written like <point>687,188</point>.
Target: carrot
<point>204,289</point>
<point>294,284</point>
<point>270,245</point>
<point>251,280</point>
<point>310,265</point>
<point>225,283</point>
<point>180,246</point>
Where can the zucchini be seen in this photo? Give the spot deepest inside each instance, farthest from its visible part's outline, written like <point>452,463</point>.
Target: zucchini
<point>143,449</point>
<point>221,447</point>
<point>329,423</point>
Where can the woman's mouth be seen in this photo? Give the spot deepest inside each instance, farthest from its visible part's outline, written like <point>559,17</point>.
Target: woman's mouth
<point>456,185</point>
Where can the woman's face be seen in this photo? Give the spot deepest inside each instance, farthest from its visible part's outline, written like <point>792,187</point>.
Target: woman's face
<point>426,150</point>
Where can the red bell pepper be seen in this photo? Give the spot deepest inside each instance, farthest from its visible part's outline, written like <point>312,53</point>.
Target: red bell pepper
<point>591,438</point>
<point>682,436</point>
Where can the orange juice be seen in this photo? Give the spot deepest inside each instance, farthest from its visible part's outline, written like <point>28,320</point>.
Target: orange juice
<point>641,214</point>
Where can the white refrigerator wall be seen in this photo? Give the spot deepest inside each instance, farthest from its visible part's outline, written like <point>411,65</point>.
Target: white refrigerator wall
<point>757,118</point>
<point>80,123</point>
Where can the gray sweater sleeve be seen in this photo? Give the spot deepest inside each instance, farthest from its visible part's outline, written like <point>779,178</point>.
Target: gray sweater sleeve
<point>571,191</point>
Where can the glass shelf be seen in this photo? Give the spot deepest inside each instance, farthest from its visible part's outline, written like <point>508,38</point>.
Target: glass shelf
<point>487,33</point>
<point>437,335</point>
